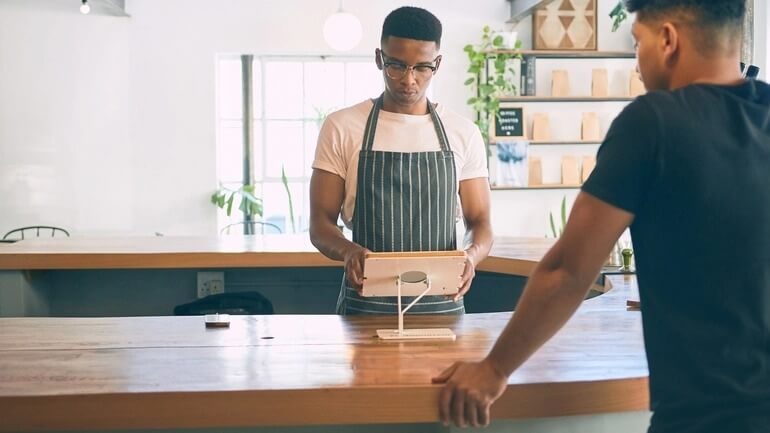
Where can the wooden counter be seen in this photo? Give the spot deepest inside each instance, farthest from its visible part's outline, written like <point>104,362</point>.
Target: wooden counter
<point>172,372</point>
<point>222,252</point>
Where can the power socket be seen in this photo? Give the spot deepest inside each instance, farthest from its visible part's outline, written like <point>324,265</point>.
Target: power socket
<point>210,283</point>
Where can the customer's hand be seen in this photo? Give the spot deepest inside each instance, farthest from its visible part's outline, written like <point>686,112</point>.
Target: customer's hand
<point>354,266</point>
<point>469,272</point>
<point>470,389</point>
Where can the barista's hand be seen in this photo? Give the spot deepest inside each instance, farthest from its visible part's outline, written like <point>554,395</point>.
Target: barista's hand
<point>466,278</point>
<point>354,266</point>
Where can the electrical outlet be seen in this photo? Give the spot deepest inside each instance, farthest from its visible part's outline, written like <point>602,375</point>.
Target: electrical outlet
<point>210,283</point>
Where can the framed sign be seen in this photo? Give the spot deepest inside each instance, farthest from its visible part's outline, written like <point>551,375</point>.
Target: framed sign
<point>507,124</point>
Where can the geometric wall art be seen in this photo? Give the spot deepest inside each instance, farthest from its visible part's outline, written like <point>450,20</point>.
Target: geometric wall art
<point>565,25</point>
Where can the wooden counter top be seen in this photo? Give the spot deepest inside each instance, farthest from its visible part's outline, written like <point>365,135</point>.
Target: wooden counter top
<point>172,372</point>
<point>222,252</point>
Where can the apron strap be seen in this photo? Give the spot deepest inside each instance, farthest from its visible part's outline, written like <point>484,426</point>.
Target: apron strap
<point>371,125</point>
<point>439,125</point>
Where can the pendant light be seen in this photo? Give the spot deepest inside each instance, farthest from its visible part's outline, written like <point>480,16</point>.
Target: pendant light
<point>342,30</point>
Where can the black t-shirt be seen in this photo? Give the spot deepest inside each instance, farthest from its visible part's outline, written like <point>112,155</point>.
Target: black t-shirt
<point>693,166</point>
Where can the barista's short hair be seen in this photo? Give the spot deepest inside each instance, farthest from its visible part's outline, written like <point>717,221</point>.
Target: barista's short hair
<point>412,23</point>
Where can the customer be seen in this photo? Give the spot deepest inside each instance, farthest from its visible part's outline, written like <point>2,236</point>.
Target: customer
<point>687,167</point>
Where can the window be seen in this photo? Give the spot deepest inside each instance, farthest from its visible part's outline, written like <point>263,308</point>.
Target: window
<point>291,97</point>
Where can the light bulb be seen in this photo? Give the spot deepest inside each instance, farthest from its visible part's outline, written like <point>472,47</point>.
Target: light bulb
<point>342,31</point>
<point>84,8</point>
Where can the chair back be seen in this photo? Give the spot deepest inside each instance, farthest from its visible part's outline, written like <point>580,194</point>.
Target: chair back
<point>22,233</point>
<point>251,227</point>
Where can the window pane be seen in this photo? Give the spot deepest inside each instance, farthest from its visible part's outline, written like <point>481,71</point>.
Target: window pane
<point>284,146</point>
<point>276,204</point>
<point>300,193</point>
<point>312,128</point>
<point>230,152</point>
<point>324,88</point>
<point>230,100</point>
<point>302,217</point>
<point>362,80</point>
<point>256,84</point>
<point>258,155</point>
<point>283,90</point>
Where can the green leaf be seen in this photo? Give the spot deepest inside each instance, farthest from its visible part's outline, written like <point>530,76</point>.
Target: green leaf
<point>497,41</point>
<point>618,15</point>
<point>518,44</point>
<point>218,198</point>
<point>468,49</point>
<point>230,204</point>
<point>486,90</point>
<point>285,181</point>
<point>486,29</point>
<point>470,81</point>
<point>255,209</point>
<point>553,226</point>
<point>247,196</point>
<point>564,212</point>
<point>472,101</point>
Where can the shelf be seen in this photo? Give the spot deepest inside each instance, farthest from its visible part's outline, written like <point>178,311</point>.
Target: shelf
<point>547,186</point>
<point>562,54</point>
<point>515,99</point>
<point>559,143</point>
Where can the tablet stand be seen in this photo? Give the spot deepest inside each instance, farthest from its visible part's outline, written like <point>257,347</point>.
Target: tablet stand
<point>413,334</point>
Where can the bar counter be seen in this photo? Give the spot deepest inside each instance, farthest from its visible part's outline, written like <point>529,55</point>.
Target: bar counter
<point>290,370</point>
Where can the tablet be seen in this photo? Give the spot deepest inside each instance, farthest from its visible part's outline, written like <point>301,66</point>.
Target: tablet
<point>442,269</point>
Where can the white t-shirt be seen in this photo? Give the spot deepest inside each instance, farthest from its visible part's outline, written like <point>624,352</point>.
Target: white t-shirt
<point>342,135</point>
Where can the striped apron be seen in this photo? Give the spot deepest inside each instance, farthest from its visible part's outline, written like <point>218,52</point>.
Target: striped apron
<point>404,202</point>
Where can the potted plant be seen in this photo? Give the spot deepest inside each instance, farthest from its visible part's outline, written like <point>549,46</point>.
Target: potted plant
<point>489,85</point>
<point>247,201</point>
<point>244,197</point>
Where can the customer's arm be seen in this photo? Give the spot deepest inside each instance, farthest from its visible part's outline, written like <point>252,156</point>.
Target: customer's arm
<point>327,192</point>
<point>555,290</point>
<point>475,201</point>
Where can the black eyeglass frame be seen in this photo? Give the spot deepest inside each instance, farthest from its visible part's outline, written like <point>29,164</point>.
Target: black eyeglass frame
<point>388,61</point>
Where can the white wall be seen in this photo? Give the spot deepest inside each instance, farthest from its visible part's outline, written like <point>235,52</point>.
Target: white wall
<point>761,37</point>
<point>107,124</point>
<point>64,154</point>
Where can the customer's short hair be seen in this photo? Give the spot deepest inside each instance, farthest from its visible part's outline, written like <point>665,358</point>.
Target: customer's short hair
<point>708,18</point>
<point>412,23</point>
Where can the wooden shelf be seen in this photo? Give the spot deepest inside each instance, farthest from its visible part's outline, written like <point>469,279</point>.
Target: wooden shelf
<point>546,186</point>
<point>560,142</point>
<point>508,99</point>
<point>563,54</point>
